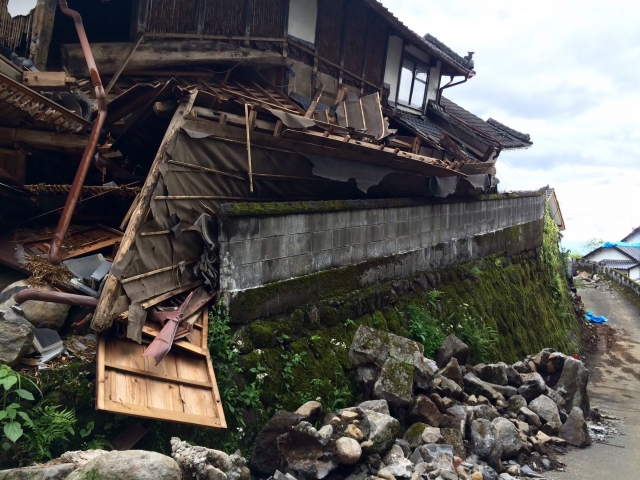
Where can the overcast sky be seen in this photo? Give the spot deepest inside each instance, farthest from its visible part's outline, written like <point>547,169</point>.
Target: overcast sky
<point>566,72</point>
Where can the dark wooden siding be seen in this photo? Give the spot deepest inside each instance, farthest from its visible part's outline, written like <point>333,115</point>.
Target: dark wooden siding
<point>330,16</point>
<point>355,37</point>
<point>170,16</point>
<point>224,17</point>
<point>376,46</point>
<point>267,18</point>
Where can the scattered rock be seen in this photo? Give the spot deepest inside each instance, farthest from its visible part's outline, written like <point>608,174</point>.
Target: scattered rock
<point>395,383</point>
<point>432,435</point>
<point>310,411</point>
<point>79,458</point>
<point>129,465</point>
<point>575,430</point>
<point>453,437</point>
<point>383,429</point>
<point>37,313</point>
<point>423,409</point>
<point>547,410</point>
<point>532,386</point>
<point>414,434</point>
<point>515,403</point>
<point>353,432</point>
<point>483,437</point>
<point>530,417</point>
<point>452,372</point>
<point>380,406</point>
<point>507,440</point>
<point>40,472</point>
<point>16,336</point>
<point>265,458</point>
<point>348,450</point>
<point>202,463</point>
<point>423,372</point>
<point>452,347</point>
<point>572,384</point>
<point>494,373</point>
<point>369,346</point>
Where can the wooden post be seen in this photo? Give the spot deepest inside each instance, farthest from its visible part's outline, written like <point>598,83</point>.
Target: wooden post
<point>103,317</point>
<point>246,115</point>
<point>44,14</point>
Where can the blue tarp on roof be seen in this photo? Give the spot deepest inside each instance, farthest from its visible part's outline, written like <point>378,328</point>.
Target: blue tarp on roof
<point>620,244</point>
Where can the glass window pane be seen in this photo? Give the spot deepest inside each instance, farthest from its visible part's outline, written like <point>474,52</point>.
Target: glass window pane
<point>417,97</point>
<point>406,78</point>
<point>421,72</point>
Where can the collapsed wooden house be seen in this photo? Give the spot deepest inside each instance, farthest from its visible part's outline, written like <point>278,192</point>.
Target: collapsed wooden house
<point>208,103</point>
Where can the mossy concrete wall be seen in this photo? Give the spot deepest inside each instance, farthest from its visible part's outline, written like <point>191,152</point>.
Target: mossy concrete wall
<point>272,263</point>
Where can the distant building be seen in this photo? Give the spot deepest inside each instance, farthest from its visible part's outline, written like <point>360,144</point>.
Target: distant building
<point>554,208</point>
<point>621,255</point>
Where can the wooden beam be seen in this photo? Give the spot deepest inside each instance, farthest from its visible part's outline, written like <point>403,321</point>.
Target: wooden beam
<point>104,316</point>
<point>49,140</point>
<point>160,376</point>
<point>248,128</point>
<point>450,145</point>
<point>315,102</point>
<point>231,118</point>
<point>121,68</point>
<point>48,80</point>
<point>161,54</point>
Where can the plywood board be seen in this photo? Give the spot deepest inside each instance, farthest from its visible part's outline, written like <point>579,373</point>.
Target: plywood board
<point>182,388</point>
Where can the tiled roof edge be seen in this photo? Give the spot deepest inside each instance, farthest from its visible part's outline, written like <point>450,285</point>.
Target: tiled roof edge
<point>525,137</point>
<point>441,46</point>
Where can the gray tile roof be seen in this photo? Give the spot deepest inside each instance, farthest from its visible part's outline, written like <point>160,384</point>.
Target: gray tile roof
<point>436,44</point>
<point>633,252</point>
<point>621,264</point>
<point>489,133</point>
<point>633,232</point>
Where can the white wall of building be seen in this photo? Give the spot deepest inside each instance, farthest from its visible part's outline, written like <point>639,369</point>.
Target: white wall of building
<point>434,81</point>
<point>392,68</point>
<point>634,273</point>
<point>607,254</point>
<point>635,238</point>
<point>303,15</point>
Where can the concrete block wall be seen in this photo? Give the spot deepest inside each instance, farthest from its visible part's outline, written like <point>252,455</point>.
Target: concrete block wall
<point>614,275</point>
<point>262,249</point>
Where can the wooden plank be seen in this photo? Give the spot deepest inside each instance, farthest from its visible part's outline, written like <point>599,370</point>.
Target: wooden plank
<point>100,373</point>
<point>54,141</point>
<point>160,414</point>
<point>145,373</point>
<point>231,118</point>
<point>43,18</point>
<point>103,316</point>
<point>314,103</point>
<point>127,217</point>
<point>248,129</point>
<point>91,247</point>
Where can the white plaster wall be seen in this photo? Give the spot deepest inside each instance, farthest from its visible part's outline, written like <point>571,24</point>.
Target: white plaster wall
<point>434,80</point>
<point>553,212</point>
<point>419,55</point>
<point>392,68</point>
<point>607,254</point>
<point>634,273</point>
<point>303,15</point>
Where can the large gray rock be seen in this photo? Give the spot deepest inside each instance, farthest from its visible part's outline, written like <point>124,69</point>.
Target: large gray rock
<point>423,373</point>
<point>575,430</point>
<point>447,387</point>
<point>546,409</point>
<point>513,377</point>
<point>369,346</point>
<point>507,391</point>
<point>474,386</point>
<point>572,384</point>
<point>129,465</point>
<point>507,440</point>
<point>493,373</point>
<point>482,438</point>
<point>440,455</point>
<point>529,416</point>
<point>452,372</point>
<point>395,383</point>
<point>452,347</point>
<point>40,472</point>
<point>266,458</point>
<point>39,314</point>
<point>533,386</point>
<point>383,430</point>
<point>311,411</point>
<point>16,336</point>
<point>200,462</point>
<point>403,349</point>
<point>422,409</point>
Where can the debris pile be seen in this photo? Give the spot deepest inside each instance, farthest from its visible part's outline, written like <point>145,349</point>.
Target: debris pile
<point>439,419</point>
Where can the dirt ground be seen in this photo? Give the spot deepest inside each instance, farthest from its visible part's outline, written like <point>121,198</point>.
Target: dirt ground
<point>614,388</point>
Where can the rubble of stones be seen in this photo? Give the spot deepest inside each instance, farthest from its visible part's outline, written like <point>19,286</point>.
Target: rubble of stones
<point>433,419</point>
<point>186,462</point>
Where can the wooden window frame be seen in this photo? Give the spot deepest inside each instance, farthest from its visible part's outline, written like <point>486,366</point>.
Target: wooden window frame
<point>427,68</point>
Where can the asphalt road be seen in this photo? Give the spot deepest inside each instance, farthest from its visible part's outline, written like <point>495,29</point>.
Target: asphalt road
<point>614,387</point>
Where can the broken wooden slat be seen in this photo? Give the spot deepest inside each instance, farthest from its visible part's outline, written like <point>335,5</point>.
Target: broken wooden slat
<point>103,316</point>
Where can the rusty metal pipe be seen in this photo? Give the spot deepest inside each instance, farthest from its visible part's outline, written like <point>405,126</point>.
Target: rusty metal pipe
<point>55,297</point>
<point>85,162</point>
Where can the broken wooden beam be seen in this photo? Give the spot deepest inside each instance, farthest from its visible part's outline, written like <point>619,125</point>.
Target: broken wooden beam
<point>161,54</point>
<point>48,80</point>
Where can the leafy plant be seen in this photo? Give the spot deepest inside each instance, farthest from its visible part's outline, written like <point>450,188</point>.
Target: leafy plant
<point>50,426</point>
<point>475,272</point>
<point>348,322</point>
<point>12,417</point>
<point>424,328</point>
